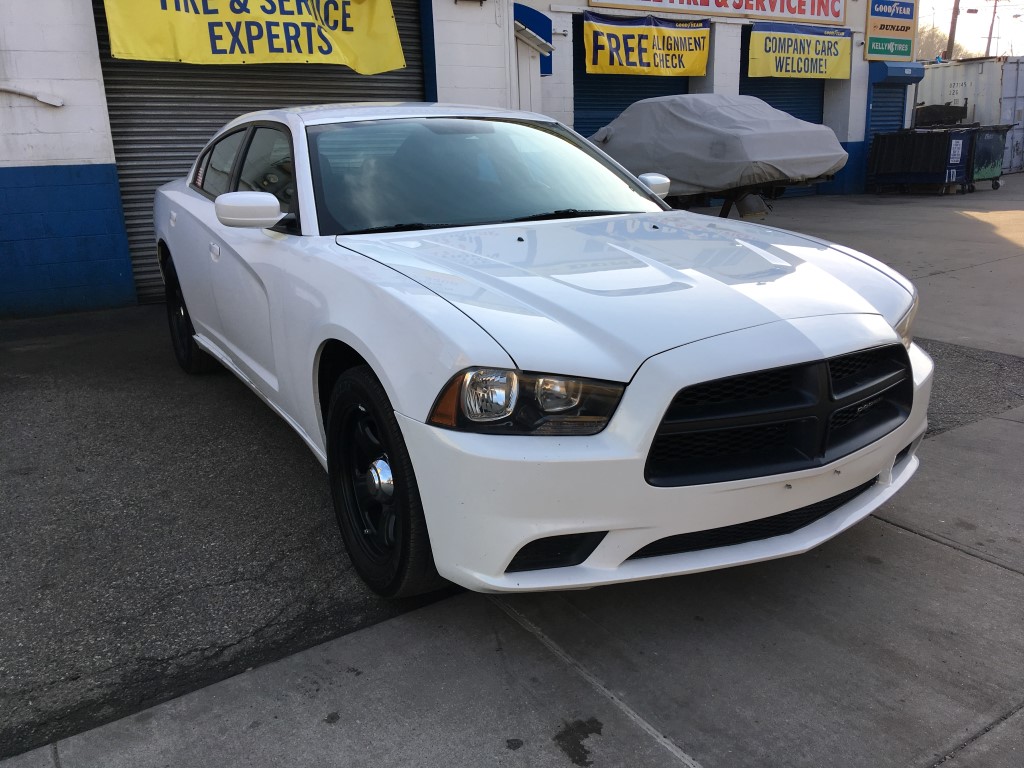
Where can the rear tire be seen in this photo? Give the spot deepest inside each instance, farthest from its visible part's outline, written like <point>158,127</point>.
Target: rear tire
<point>190,357</point>
<point>373,487</point>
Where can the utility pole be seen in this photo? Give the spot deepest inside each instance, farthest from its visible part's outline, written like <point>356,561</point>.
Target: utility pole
<point>988,45</point>
<point>951,40</point>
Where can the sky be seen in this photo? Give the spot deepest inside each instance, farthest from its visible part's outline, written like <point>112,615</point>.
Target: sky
<point>972,28</point>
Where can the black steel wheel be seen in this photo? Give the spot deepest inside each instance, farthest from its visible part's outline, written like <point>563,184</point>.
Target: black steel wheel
<point>190,357</point>
<point>374,490</point>
<point>995,184</point>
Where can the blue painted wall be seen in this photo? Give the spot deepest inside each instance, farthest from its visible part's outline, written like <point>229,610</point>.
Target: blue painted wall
<point>853,178</point>
<point>63,245</point>
<point>850,180</point>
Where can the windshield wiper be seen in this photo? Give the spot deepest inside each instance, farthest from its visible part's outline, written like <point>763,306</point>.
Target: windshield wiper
<point>407,227</point>
<point>565,213</point>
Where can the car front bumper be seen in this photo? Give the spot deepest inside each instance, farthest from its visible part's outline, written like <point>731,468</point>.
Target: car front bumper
<point>486,496</point>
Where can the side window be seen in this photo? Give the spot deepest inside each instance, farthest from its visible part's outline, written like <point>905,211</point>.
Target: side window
<point>215,173</point>
<point>268,167</point>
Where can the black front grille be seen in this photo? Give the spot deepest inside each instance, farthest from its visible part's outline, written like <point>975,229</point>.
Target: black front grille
<point>724,442</point>
<point>755,530</point>
<point>844,417</point>
<point>848,366</point>
<point>781,420</point>
<point>738,388</point>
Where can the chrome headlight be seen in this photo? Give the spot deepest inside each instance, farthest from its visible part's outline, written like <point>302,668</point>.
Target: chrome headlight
<point>904,326</point>
<point>489,395</point>
<point>497,401</point>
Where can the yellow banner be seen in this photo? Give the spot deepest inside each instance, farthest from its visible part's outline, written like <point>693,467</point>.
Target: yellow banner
<point>359,33</point>
<point>799,50</point>
<point>645,46</point>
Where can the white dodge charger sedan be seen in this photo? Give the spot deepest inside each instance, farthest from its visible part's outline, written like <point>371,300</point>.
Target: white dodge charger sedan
<point>520,369</point>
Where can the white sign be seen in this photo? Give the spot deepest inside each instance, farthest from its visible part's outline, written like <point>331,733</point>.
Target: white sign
<point>807,11</point>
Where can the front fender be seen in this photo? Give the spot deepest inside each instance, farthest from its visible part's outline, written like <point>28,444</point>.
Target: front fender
<point>414,340</point>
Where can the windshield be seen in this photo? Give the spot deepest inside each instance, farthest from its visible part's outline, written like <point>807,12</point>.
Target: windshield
<point>421,173</point>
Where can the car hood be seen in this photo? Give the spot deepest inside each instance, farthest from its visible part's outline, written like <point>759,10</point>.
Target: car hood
<point>597,296</point>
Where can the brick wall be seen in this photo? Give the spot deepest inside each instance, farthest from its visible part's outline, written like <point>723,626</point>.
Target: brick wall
<point>49,46</point>
<point>474,53</point>
<point>62,241</point>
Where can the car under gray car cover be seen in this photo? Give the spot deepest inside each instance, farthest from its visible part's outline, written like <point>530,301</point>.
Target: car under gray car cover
<point>715,142</point>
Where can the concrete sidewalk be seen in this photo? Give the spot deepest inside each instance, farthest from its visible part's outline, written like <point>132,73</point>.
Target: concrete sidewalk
<point>896,644</point>
<point>899,643</point>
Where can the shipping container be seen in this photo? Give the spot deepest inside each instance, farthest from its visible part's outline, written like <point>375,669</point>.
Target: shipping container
<point>993,91</point>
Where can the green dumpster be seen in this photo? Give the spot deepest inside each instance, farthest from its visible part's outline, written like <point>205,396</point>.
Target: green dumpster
<point>989,145</point>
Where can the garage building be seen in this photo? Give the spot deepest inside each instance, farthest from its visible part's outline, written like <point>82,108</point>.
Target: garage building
<point>87,137</point>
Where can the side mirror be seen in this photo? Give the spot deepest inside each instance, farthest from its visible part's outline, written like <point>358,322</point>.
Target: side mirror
<point>656,182</point>
<point>248,209</point>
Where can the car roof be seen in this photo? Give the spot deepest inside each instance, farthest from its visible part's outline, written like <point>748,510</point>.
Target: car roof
<point>320,114</point>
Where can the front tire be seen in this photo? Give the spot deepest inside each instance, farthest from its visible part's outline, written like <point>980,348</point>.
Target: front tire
<point>374,490</point>
<point>190,357</point>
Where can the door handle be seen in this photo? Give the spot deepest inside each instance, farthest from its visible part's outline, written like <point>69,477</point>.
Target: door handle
<point>214,251</point>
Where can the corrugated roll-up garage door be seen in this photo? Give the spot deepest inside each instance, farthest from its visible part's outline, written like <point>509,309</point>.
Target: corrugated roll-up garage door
<point>888,109</point>
<point>599,99</point>
<point>161,115</point>
<point>802,97</point>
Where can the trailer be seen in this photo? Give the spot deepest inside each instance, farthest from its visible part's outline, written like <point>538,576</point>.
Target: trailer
<point>992,92</point>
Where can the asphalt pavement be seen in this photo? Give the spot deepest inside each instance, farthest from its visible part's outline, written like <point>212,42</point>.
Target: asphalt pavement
<point>167,535</point>
<point>159,531</point>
